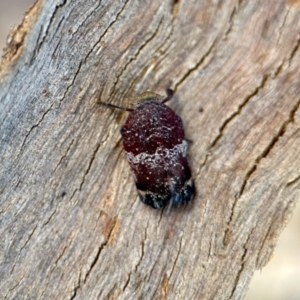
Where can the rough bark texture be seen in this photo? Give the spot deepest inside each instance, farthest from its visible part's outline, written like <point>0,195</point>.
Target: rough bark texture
<point>72,226</point>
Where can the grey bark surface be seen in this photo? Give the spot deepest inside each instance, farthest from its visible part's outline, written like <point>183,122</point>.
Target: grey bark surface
<point>71,224</point>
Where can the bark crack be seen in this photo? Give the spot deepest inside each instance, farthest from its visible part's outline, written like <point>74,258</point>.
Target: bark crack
<point>176,258</point>
<point>294,50</point>
<point>210,50</point>
<point>135,55</point>
<point>87,170</point>
<point>175,8</point>
<point>126,282</point>
<point>293,181</point>
<point>13,287</point>
<point>49,219</point>
<point>64,156</point>
<point>140,259</point>
<point>91,51</point>
<point>269,147</point>
<point>254,93</point>
<point>86,18</point>
<point>135,267</point>
<point>244,103</point>
<point>164,42</point>
<point>257,263</point>
<point>238,111</point>
<point>237,279</point>
<point>282,25</point>
<point>230,118</point>
<point>48,281</point>
<point>32,128</point>
<point>74,78</point>
<point>231,22</point>
<point>28,239</point>
<point>243,263</point>
<point>62,253</point>
<point>38,47</point>
<point>197,65</point>
<point>150,67</point>
<point>74,293</point>
<point>21,249</point>
<point>279,216</point>
<point>94,262</point>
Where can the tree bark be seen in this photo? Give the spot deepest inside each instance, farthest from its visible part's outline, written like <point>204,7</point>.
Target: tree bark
<point>72,226</point>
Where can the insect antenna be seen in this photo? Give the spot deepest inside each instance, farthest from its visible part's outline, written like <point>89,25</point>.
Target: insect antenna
<point>114,106</point>
<point>170,94</point>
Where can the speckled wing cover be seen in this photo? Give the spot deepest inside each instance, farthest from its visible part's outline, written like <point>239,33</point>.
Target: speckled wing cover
<point>153,138</point>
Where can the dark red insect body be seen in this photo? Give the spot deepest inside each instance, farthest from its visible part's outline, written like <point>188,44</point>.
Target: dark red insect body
<point>153,138</point>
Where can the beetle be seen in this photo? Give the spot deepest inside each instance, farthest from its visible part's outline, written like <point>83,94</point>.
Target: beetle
<point>154,141</point>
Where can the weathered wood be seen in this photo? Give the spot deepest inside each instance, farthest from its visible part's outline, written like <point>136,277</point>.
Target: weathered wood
<point>71,223</point>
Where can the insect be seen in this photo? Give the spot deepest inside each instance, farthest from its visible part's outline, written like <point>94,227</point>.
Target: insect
<point>153,139</point>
